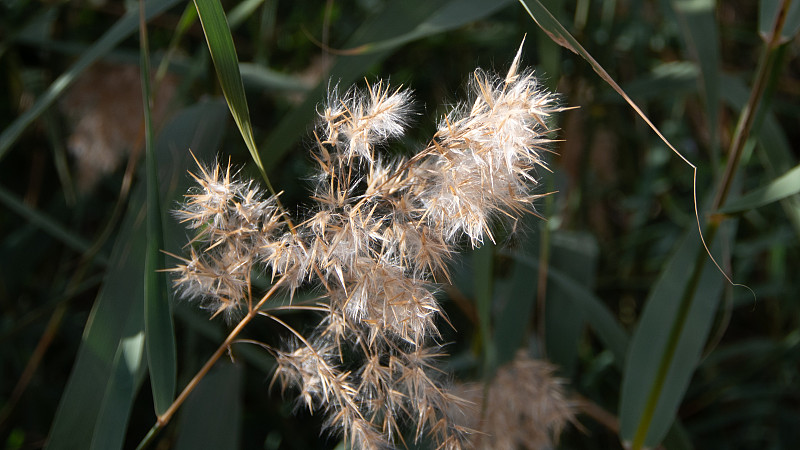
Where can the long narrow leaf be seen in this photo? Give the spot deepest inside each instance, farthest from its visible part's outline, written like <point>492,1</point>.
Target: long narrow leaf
<point>516,305</point>
<point>226,63</point>
<point>597,314</point>
<point>666,346</point>
<point>116,34</point>
<point>159,332</point>
<point>128,366</point>
<point>117,312</point>
<point>243,10</point>
<point>784,186</point>
<point>46,223</point>
<point>776,151</point>
<point>767,12</point>
<point>254,75</point>
<point>574,255</point>
<point>450,16</point>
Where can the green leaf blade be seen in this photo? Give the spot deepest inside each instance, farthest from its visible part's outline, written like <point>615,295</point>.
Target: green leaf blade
<point>780,188</point>
<point>116,314</point>
<point>596,313</point>
<point>226,62</point>
<point>767,12</point>
<point>127,369</point>
<point>159,329</point>
<point>45,223</point>
<point>666,346</point>
<point>776,150</point>
<point>702,38</point>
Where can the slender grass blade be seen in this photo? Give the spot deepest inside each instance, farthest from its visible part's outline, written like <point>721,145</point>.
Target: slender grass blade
<point>159,329</point>
<point>784,186</point>
<point>666,346</point>
<point>226,63</point>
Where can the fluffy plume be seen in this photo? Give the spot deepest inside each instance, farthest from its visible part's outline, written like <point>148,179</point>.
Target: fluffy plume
<point>523,407</point>
<point>381,232</point>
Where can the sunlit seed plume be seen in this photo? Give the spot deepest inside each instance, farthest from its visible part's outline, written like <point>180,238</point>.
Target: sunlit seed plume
<point>378,238</point>
<point>232,222</point>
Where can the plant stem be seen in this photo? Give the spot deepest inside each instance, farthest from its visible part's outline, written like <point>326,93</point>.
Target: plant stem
<point>766,65</point>
<point>164,419</point>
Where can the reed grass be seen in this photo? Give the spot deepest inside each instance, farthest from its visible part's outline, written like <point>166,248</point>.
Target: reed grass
<point>395,283</point>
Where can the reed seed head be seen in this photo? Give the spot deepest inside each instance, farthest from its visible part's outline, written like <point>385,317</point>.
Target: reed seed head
<point>379,236</point>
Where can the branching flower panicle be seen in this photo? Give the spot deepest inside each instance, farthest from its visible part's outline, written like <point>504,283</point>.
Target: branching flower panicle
<point>233,223</point>
<point>381,233</point>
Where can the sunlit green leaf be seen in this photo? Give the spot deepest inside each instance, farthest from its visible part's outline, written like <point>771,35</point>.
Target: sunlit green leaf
<point>127,370</point>
<point>223,53</point>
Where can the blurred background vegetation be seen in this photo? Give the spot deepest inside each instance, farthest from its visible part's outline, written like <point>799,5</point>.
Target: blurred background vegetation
<point>603,287</point>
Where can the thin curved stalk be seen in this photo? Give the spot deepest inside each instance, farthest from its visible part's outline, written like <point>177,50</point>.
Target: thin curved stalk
<point>164,418</point>
<point>766,66</point>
